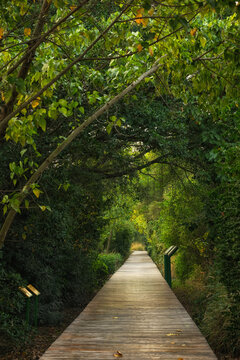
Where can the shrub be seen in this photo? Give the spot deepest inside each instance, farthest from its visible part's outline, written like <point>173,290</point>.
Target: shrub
<point>112,260</point>
<point>122,240</point>
<point>105,265</point>
<point>218,322</point>
<point>13,328</point>
<point>137,246</point>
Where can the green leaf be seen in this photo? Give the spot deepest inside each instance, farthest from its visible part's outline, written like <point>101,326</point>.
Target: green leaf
<point>63,102</point>
<point>109,128</point>
<point>118,123</point>
<point>22,152</point>
<point>184,22</point>
<point>82,109</point>
<point>15,204</point>
<point>203,41</point>
<point>52,113</point>
<point>5,209</point>
<point>63,111</point>
<point>42,123</point>
<point>113,118</point>
<point>26,204</point>
<point>5,199</point>
<point>66,186</point>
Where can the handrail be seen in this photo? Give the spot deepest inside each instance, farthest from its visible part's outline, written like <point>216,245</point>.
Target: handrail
<point>167,263</point>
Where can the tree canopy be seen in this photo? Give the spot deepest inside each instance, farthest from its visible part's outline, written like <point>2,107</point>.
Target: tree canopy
<point>99,96</point>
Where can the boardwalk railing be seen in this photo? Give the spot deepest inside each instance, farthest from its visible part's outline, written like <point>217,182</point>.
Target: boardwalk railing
<point>167,263</point>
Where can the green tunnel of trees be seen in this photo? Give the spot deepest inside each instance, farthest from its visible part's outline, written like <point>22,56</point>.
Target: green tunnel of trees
<point>119,123</point>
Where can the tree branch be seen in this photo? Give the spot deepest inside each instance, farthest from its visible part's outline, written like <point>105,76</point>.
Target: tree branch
<point>25,190</point>
<point>5,120</point>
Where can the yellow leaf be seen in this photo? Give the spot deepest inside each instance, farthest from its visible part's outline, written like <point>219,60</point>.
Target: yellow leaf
<point>27,31</point>
<point>24,236</point>
<point>2,96</point>
<point>171,334</point>
<point>139,47</point>
<point>1,32</point>
<point>139,15</point>
<point>145,22</point>
<point>35,102</point>
<point>138,21</point>
<point>193,32</point>
<point>73,7</point>
<point>36,192</point>
<point>150,50</point>
<point>43,208</point>
<point>151,11</point>
<point>118,354</point>
<point>140,11</point>
<point>203,41</point>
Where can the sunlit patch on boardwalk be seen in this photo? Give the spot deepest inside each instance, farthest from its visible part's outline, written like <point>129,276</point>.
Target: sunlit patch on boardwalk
<point>134,316</point>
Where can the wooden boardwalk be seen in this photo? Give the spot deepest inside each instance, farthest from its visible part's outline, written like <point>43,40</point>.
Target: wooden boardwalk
<point>137,314</point>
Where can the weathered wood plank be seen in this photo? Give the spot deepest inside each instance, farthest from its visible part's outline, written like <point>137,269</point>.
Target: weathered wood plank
<point>137,314</point>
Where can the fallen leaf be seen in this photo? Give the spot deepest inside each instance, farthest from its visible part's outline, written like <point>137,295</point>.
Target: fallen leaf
<point>171,334</point>
<point>115,317</point>
<point>118,354</point>
<point>179,330</point>
<point>173,342</point>
<point>180,359</point>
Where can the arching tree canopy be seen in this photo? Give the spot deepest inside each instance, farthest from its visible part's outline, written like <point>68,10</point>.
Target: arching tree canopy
<point>97,97</point>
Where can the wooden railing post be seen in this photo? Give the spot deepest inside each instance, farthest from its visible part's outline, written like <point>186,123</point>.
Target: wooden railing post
<point>167,263</point>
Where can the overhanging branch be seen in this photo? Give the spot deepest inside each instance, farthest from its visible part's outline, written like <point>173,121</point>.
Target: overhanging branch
<point>25,190</point>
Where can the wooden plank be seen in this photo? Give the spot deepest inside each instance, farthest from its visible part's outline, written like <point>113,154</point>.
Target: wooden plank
<point>137,314</point>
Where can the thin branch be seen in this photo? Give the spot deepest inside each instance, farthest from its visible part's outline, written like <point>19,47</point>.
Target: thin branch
<point>43,37</point>
<point>25,190</point>
<point>4,122</point>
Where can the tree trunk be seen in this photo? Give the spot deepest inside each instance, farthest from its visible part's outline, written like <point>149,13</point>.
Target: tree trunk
<point>25,190</point>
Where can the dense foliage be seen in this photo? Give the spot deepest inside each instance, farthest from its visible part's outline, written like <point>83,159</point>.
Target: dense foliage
<point>162,164</point>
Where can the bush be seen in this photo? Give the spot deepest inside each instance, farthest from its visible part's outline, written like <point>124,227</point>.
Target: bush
<point>13,328</point>
<point>218,322</point>
<point>122,240</point>
<point>112,260</point>
<point>105,265</point>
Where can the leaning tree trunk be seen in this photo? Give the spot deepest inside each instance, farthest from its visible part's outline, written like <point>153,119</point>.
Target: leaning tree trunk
<point>25,190</point>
